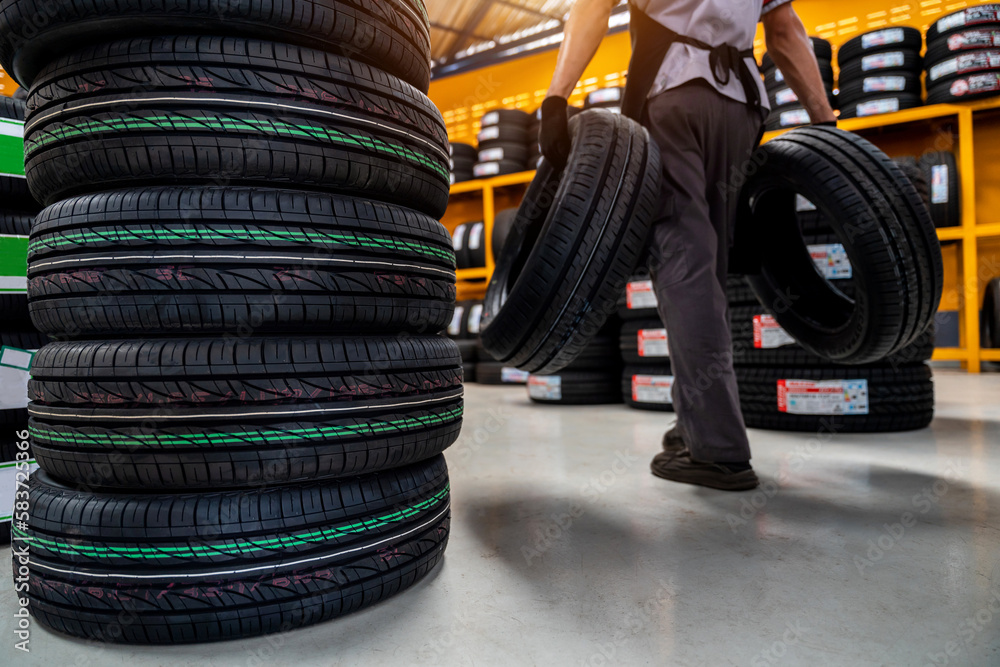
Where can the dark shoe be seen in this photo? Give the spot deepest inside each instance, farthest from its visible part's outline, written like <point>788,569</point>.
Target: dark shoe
<point>682,468</point>
<point>673,443</point>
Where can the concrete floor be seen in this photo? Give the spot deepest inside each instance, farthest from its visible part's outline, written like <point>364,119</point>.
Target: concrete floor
<point>566,551</point>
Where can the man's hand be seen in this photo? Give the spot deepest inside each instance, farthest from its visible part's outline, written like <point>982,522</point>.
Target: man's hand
<point>792,52</point>
<point>553,132</point>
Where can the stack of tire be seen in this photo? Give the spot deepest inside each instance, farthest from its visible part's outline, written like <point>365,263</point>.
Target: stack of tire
<point>647,380</point>
<point>593,378</point>
<point>464,331</point>
<point>240,431</point>
<point>534,150</point>
<point>469,241</point>
<point>463,161</point>
<point>784,387</point>
<point>786,109</point>
<point>503,143</point>
<point>963,55</point>
<point>605,98</point>
<point>880,72</point>
<point>18,338</point>
<point>944,192</point>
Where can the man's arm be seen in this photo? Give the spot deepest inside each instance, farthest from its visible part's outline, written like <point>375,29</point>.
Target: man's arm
<point>585,28</point>
<point>792,51</point>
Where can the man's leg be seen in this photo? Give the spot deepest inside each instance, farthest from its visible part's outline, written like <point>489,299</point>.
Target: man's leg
<point>702,136</point>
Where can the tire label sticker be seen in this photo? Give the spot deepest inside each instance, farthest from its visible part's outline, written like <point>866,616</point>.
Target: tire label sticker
<point>605,95</point>
<point>475,317</point>
<point>778,76</point>
<point>491,154</point>
<point>458,238</point>
<point>545,387</point>
<point>882,38</point>
<point>803,204</point>
<point>11,148</point>
<point>832,261</point>
<point>964,64</point>
<point>979,83</point>
<point>8,486</point>
<point>883,60</point>
<point>939,184</point>
<point>640,294</point>
<point>794,117</point>
<point>513,375</point>
<point>492,118</point>
<point>879,84</point>
<point>971,16</point>
<point>476,236</point>
<point>486,169</point>
<point>14,366</point>
<point>490,133</point>
<point>653,389</point>
<point>13,264</point>
<point>768,334</point>
<point>785,96</point>
<point>653,343</point>
<point>455,327</point>
<point>974,39</point>
<point>826,397</point>
<point>875,107</point>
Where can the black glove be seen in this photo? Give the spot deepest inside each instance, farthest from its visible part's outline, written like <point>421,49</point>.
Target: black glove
<point>826,123</point>
<point>553,132</point>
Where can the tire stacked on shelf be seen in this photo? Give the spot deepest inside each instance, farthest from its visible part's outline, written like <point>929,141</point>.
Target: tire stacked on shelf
<point>469,241</point>
<point>503,143</point>
<point>463,161</point>
<point>241,426</point>
<point>880,72</point>
<point>944,192</point>
<point>963,55</point>
<point>464,331</point>
<point>593,378</point>
<point>647,380</point>
<point>786,110</point>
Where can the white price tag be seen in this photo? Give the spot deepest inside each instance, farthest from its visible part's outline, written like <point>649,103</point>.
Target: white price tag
<point>785,96</point>
<point>883,60</point>
<point>475,317</point>
<point>605,95</point>
<point>939,184</point>
<point>882,38</point>
<point>492,118</point>
<point>491,155</point>
<point>881,84</point>
<point>510,375</point>
<point>545,387</point>
<point>458,238</point>
<point>793,117</point>
<point>778,76</point>
<point>653,343</point>
<point>486,169</point>
<point>832,261</point>
<point>476,236</point>
<point>827,397</point>
<point>876,107</point>
<point>489,134</point>
<point>455,327</point>
<point>640,294</point>
<point>803,204</point>
<point>768,334</point>
<point>653,389</point>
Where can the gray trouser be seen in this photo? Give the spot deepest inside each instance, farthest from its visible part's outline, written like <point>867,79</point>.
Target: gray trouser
<point>705,138</point>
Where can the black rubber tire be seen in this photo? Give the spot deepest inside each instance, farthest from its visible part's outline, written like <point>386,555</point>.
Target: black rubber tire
<point>468,372</point>
<point>900,399</point>
<point>989,317</point>
<point>393,35</point>
<point>981,15</point>
<point>897,38</point>
<point>604,98</point>
<point>581,387</point>
<point>965,88</point>
<point>634,308</point>
<point>962,65</point>
<point>503,222</point>
<point>602,354</point>
<point>961,42</point>
<point>14,192</point>
<point>577,238</point>
<point>851,182</point>
<point>220,565</point>
<point>215,259</point>
<point>459,236</point>
<point>505,117</point>
<point>464,151</point>
<point>639,402</point>
<point>462,176</point>
<point>475,243</point>
<point>629,342</point>
<point>467,350</point>
<point>496,135</point>
<point>458,328</point>
<point>495,373</point>
<point>910,166</point>
<point>821,47</point>
<point>941,175</point>
<point>773,80</point>
<point>491,169</point>
<point>504,150</point>
<point>903,84</point>
<point>738,292</point>
<point>24,339</point>
<point>462,164</point>
<point>873,105</point>
<point>214,413</point>
<point>788,117</point>
<point>879,64</point>
<point>284,116</point>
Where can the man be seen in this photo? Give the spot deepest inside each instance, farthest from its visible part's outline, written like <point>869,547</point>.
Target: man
<point>694,84</point>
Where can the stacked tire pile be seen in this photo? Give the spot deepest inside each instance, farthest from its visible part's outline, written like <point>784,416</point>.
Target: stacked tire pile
<point>18,338</point>
<point>593,378</point>
<point>503,143</point>
<point>880,72</point>
<point>647,381</point>
<point>235,434</point>
<point>944,193</point>
<point>469,241</point>
<point>463,162</point>
<point>963,55</point>
<point>605,98</point>
<point>786,109</point>
<point>464,331</point>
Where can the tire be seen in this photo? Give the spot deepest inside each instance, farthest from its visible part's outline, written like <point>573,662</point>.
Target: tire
<point>221,565</point>
<point>961,42</point>
<point>911,167</point>
<point>496,135</point>
<point>24,339</point>
<point>215,413</point>
<point>880,64</point>
<point>255,131</point>
<point>990,315</point>
<point>874,105</point>
<point>495,373</point>
<point>458,329</point>
<point>214,259</point>
<point>458,238</point>
<point>982,16</point>
<point>653,336</point>
<point>464,151</point>
<point>738,292</point>
<point>475,243</point>
<point>773,78</point>
<point>602,354</point>
<point>14,190</point>
<point>505,150</point>
<point>576,388</point>
<point>468,372</point>
<point>462,164</point>
<point>973,87</point>
<point>648,387</point>
<point>505,117</point>
<point>501,168</point>
<point>392,35</point>
<point>462,176</point>
<point>941,175</point>
<point>793,116</point>
<point>962,65</point>
<point>821,47</point>
<point>900,399</point>
<point>467,350</point>
<point>870,86</point>
<point>638,301</point>
<point>503,222</point>
<point>850,180</point>
<point>577,238</point>
<point>876,41</point>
